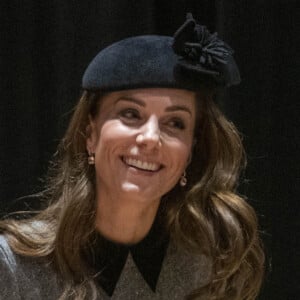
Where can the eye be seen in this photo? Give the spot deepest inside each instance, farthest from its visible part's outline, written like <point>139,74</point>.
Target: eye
<point>177,123</point>
<point>130,114</point>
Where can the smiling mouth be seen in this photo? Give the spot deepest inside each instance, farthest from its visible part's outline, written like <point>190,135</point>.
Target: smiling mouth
<point>141,165</point>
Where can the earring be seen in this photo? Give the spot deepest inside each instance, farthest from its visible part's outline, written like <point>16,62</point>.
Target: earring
<point>183,179</point>
<point>91,159</point>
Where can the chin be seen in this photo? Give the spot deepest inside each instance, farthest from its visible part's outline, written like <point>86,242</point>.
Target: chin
<point>130,187</point>
<point>137,191</point>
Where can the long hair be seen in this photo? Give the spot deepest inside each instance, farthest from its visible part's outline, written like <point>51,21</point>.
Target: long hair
<point>213,217</point>
<point>210,217</point>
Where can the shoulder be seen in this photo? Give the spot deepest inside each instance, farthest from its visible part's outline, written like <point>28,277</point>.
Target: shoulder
<point>25,277</point>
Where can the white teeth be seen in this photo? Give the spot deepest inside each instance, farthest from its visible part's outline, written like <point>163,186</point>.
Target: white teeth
<point>141,165</point>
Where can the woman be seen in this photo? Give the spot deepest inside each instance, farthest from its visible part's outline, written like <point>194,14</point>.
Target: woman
<point>142,201</point>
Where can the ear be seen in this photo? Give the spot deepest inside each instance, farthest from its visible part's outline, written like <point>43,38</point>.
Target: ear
<point>91,136</point>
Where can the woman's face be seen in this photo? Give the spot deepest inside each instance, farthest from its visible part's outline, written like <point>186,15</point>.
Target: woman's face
<point>142,141</point>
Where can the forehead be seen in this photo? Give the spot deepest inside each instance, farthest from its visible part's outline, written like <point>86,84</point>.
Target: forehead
<point>152,98</point>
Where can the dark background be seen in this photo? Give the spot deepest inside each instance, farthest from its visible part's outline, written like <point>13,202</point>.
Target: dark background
<point>46,45</point>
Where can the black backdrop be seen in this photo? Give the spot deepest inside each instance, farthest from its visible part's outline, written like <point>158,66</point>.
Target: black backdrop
<point>45,46</point>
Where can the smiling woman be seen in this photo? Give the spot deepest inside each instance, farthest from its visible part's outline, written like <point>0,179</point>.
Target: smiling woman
<point>142,201</point>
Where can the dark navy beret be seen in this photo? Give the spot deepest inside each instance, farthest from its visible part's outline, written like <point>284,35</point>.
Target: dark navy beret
<point>192,58</point>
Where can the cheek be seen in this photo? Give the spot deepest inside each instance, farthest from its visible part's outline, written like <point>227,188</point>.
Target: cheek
<point>113,134</point>
<point>117,128</point>
<point>179,152</point>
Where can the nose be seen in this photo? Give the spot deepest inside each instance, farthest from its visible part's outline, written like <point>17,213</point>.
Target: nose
<point>149,135</point>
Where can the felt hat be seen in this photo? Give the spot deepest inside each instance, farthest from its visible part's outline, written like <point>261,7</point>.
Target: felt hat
<point>193,57</point>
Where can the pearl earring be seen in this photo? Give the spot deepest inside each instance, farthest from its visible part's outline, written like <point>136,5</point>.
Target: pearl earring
<point>183,179</point>
<point>91,159</point>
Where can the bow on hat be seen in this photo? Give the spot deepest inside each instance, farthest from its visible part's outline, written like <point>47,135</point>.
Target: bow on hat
<point>203,52</point>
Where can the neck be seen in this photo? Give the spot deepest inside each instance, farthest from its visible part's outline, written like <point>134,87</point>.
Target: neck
<point>124,219</point>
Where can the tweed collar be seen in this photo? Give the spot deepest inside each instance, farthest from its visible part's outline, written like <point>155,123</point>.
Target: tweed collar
<point>107,258</point>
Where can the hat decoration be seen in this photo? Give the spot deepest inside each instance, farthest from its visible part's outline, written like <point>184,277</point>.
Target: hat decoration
<point>201,51</point>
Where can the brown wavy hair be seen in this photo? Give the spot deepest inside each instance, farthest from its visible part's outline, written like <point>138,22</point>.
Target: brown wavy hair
<point>208,217</point>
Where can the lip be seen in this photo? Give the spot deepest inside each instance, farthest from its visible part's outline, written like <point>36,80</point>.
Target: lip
<point>140,164</point>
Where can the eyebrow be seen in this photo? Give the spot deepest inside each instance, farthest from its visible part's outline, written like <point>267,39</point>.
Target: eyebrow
<point>142,103</point>
<point>178,107</point>
<point>130,99</point>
